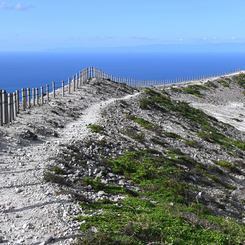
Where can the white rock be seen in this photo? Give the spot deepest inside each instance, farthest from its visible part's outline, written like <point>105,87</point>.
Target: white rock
<point>101,193</point>
<point>18,190</point>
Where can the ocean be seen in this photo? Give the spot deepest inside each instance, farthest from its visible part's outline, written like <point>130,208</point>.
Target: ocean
<point>36,69</point>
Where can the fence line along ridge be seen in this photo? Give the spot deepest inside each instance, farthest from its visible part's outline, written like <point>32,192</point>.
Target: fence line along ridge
<point>10,102</point>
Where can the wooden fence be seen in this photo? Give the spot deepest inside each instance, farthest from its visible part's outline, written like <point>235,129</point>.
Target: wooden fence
<point>10,102</point>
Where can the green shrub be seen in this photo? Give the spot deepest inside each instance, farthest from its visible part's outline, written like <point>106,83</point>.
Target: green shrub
<point>96,128</point>
<point>240,80</point>
<point>194,89</point>
<point>225,84</point>
<point>56,169</point>
<point>226,164</point>
<point>95,183</point>
<point>172,135</point>
<point>53,178</point>
<point>210,84</point>
<point>143,122</point>
<point>239,144</point>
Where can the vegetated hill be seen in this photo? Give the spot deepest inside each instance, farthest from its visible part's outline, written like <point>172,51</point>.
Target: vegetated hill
<point>159,171</point>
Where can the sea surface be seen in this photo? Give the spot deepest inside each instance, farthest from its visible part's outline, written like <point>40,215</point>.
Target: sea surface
<point>36,69</point>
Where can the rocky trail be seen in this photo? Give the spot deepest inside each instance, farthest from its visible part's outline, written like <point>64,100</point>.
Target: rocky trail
<point>34,209</point>
<point>30,213</point>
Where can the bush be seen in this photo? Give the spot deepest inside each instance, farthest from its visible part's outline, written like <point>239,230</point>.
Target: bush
<point>172,135</point>
<point>53,178</point>
<point>96,128</point>
<point>143,122</point>
<point>194,89</point>
<point>57,170</point>
<point>95,183</point>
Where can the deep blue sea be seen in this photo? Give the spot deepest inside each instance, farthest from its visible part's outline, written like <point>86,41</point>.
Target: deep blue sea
<point>23,70</point>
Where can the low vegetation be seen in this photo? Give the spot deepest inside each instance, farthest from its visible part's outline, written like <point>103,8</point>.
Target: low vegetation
<point>170,206</point>
<point>166,214</point>
<point>195,90</point>
<point>96,128</point>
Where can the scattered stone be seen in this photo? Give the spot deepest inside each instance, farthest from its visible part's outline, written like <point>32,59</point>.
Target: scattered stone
<point>79,152</point>
<point>27,134</point>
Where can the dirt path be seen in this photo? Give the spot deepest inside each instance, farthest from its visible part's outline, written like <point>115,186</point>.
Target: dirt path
<point>30,213</point>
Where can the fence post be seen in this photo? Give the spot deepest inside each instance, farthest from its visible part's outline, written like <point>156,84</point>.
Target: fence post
<point>9,108</point>
<point>1,109</point>
<point>25,93</point>
<point>80,78</point>
<point>37,97</point>
<point>69,85</point>
<point>83,76</point>
<point>17,102</point>
<point>74,83</point>
<point>54,90</point>
<point>63,89</point>
<point>33,96</point>
<point>5,107</point>
<point>91,72</point>
<point>14,104</point>
<point>47,92</point>
<point>77,80</point>
<point>41,95</point>
<point>23,99</point>
<point>29,97</point>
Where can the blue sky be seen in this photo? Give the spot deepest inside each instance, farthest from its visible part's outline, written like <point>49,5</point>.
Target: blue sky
<point>36,25</point>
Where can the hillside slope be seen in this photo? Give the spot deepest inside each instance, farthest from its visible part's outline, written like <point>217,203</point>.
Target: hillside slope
<point>153,168</point>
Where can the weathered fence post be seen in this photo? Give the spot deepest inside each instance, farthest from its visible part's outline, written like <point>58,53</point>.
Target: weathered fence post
<point>80,78</point>
<point>29,97</point>
<point>41,95</point>
<point>77,80</point>
<point>9,108</point>
<point>63,89</point>
<point>54,90</point>
<point>14,104</point>
<point>69,85</point>
<point>83,76</point>
<point>47,92</point>
<point>37,97</point>
<point>23,99</point>
<point>5,107</point>
<point>17,102</point>
<point>74,83</point>
<point>1,109</point>
<point>33,96</point>
<point>90,72</point>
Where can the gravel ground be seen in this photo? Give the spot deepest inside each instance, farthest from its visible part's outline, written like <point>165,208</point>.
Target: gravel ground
<point>31,211</point>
